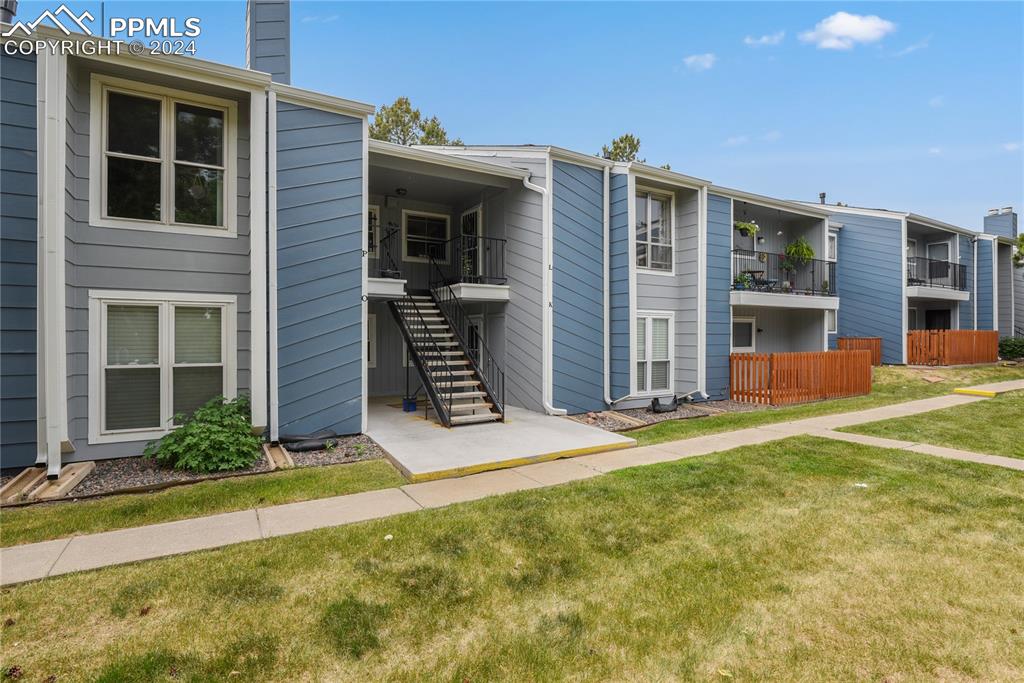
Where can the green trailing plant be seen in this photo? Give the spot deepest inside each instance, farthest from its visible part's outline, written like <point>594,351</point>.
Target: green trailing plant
<point>799,251</point>
<point>743,281</point>
<point>1011,348</point>
<point>746,228</point>
<point>217,437</point>
<point>824,285</point>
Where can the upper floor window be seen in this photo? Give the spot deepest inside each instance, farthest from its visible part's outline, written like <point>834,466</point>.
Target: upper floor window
<point>833,246</point>
<point>653,231</point>
<point>425,235</point>
<point>165,159</point>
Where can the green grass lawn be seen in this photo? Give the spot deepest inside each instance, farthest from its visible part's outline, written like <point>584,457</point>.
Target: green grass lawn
<point>992,426</point>
<point>891,384</point>
<point>766,562</point>
<point>56,520</point>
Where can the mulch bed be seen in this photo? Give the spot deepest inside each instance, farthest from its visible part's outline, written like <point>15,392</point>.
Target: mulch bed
<point>628,419</point>
<point>347,449</point>
<point>111,476</point>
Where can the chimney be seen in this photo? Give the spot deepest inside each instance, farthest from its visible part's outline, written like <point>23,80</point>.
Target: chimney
<point>8,8</point>
<point>1001,222</point>
<point>821,198</point>
<point>268,38</point>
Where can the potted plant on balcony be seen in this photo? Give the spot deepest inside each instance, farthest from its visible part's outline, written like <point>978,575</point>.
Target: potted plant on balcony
<point>743,281</point>
<point>746,228</point>
<point>797,253</point>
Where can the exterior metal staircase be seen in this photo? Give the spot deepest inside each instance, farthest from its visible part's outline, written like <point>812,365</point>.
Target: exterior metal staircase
<point>456,387</point>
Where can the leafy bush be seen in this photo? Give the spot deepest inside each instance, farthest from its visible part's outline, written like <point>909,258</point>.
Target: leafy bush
<point>1011,347</point>
<point>799,251</point>
<point>215,438</point>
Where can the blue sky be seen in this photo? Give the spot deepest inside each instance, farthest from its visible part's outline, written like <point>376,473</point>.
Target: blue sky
<point>916,106</point>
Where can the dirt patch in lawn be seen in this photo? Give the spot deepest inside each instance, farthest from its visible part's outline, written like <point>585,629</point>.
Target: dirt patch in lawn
<point>634,418</point>
<point>345,449</point>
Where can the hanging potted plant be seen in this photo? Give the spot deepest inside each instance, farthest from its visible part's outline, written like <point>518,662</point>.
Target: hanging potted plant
<point>799,252</point>
<point>746,228</point>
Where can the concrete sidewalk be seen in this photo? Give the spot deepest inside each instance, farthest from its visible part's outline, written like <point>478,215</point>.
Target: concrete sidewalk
<point>51,558</point>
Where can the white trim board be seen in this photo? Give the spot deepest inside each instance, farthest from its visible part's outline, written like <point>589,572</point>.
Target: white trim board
<point>942,293</point>
<point>792,301</point>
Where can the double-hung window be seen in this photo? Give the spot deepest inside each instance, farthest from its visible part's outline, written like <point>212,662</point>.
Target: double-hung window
<point>425,235</point>
<point>162,159</point>
<point>832,253</point>
<point>744,335</point>
<point>653,231</point>
<point>154,357</point>
<point>653,344</point>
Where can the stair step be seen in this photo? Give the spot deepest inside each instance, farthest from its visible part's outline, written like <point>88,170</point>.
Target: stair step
<point>417,326</point>
<point>447,362</point>
<point>469,419</point>
<point>435,354</point>
<point>454,373</point>
<point>471,407</point>
<point>465,394</point>
<point>457,383</point>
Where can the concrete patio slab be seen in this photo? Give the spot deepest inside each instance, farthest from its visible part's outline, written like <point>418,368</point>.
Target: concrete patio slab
<point>556,472</point>
<point>425,451</point>
<point>316,514</point>
<point>30,561</point>
<point>434,494</point>
<point>157,540</point>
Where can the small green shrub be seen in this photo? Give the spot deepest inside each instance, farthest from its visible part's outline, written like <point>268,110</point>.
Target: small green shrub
<point>217,437</point>
<point>1011,348</point>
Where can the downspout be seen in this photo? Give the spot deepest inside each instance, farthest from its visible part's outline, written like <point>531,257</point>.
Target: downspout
<point>272,390</point>
<point>606,227</point>
<point>702,292</point>
<point>546,294</point>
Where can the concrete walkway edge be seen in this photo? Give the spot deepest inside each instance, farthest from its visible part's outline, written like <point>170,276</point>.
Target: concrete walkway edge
<point>33,561</point>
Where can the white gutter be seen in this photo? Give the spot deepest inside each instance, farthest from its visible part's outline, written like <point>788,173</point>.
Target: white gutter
<point>546,243</point>
<point>606,227</point>
<point>272,261</point>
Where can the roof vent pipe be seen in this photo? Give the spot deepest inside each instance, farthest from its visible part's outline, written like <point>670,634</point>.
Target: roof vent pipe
<point>8,8</point>
<point>821,197</point>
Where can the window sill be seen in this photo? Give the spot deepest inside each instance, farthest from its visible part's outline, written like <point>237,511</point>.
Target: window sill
<point>655,271</point>
<point>128,437</point>
<point>165,228</point>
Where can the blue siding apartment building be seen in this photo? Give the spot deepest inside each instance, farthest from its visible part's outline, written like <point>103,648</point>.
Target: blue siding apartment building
<point>325,274</point>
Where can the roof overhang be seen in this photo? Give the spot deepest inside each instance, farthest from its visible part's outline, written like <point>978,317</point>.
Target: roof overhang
<point>317,100</point>
<point>662,175</point>
<point>812,210</point>
<point>528,151</point>
<point>939,225</point>
<point>431,156</point>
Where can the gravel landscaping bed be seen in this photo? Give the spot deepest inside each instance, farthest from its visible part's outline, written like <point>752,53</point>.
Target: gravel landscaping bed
<point>347,449</point>
<point>119,474</point>
<point>624,420</point>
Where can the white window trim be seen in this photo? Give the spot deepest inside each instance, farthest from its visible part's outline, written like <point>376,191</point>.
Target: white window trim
<point>98,298</point>
<point>833,329</point>
<point>753,334</point>
<point>912,318</point>
<point>99,86</point>
<point>949,250</point>
<point>671,317</point>
<point>371,340</point>
<point>830,238</point>
<point>671,196</point>
<point>405,234</point>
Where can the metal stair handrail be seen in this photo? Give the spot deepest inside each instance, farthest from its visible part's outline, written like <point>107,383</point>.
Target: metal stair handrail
<point>450,308</point>
<point>444,410</point>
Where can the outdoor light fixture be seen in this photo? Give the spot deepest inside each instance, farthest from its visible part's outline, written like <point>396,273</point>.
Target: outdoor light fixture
<point>401,191</point>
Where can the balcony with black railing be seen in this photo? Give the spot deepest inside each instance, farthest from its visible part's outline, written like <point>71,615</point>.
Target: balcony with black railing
<point>926,272</point>
<point>765,272</point>
<point>465,259</point>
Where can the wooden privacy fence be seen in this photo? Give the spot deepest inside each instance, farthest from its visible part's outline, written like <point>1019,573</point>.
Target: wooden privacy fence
<point>785,378</point>
<point>952,347</point>
<point>872,344</point>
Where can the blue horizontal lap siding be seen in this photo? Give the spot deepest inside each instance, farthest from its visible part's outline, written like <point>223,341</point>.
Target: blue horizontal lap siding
<point>870,277</point>
<point>985,277</point>
<point>319,270</point>
<point>719,281</point>
<point>578,278</point>
<point>618,266</point>
<point>967,260</point>
<point>18,231</point>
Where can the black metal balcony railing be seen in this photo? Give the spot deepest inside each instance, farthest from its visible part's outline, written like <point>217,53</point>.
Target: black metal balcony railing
<point>387,251</point>
<point>926,272</point>
<point>760,271</point>
<point>479,260</point>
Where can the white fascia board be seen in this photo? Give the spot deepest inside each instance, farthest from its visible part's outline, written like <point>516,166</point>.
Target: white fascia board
<point>525,151</point>
<point>832,209</point>
<point>663,175</point>
<point>445,158</point>
<point>942,293</point>
<point>471,291</point>
<point>791,301</point>
<point>939,225</point>
<point>812,210</point>
<point>385,288</point>
<point>317,100</point>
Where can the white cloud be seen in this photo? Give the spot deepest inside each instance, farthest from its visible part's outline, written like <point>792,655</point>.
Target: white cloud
<point>935,151</point>
<point>772,136</point>
<point>1011,146</point>
<point>312,18</point>
<point>914,47</point>
<point>937,101</point>
<point>736,141</point>
<point>700,62</point>
<point>842,31</point>
<point>769,39</point>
